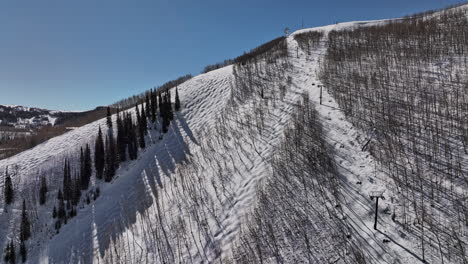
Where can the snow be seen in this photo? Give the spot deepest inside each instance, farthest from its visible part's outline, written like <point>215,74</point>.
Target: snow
<point>155,190</point>
<point>353,163</point>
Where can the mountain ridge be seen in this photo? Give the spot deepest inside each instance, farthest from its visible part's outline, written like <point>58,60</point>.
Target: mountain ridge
<point>263,163</point>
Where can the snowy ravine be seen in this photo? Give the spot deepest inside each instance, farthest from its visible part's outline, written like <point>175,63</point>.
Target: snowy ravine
<point>356,165</point>
<point>186,197</point>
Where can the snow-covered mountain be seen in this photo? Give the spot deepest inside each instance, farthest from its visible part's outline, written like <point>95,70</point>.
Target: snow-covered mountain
<point>278,158</point>
<point>30,117</point>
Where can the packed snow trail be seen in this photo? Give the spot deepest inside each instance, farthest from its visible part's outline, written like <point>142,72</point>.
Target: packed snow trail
<point>358,169</point>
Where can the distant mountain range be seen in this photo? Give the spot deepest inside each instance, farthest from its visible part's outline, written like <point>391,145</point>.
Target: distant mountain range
<point>22,117</point>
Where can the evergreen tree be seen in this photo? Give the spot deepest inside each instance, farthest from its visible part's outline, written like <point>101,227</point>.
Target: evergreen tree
<point>147,105</point>
<point>7,253</point>
<point>67,183</point>
<point>109,118</point>
<point>161,106</point>
<point>88,165</point>
<point>109,170</point>
<point>140,126</point>
<point>43,191</point>
<point>166,111</point>
<point>121,139</point>
<point>111,152</point>
<point>144,122</point>
<point>76,190</point>
<point>12,253</point>
<point>138,116</point>
<point>129,140</point>
<point>170,113</point>
<point>23,251</point>
<point>133,140</point>
<point>25,227</point>
<point>85,168</point>
<point>61,206</point>
<point>163,113</point>
<point>177,101</point>
<point>99,155</point>
<point>82,173</point>
<point>8,189</point>
<point>154,105</point>
<point>54,212</point>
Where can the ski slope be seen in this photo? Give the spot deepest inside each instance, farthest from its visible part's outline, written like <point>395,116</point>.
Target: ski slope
<point>188,194</point>
<point>358,167</point>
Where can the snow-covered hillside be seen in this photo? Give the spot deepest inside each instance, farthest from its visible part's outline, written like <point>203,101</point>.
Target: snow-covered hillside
<point>260,165</point>
<point>29,117</point>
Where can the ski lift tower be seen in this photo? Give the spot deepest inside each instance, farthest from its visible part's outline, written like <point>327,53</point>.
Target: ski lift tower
<point>377,195</point>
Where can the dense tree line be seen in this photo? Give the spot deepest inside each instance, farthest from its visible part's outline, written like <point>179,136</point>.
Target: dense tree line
<point>254,72</point>
<point>277,45</point>
<point>308,41</point>
<point>218,65</point>
<point>130,102</point>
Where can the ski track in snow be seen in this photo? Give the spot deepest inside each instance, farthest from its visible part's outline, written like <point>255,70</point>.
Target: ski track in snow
<point>353,164</point>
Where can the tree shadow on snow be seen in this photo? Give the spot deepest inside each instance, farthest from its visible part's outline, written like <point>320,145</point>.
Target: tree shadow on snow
<point>122,200</point>
<point>165,155</point>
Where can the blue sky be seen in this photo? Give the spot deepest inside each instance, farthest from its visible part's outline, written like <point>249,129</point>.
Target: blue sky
<point>76,55</point>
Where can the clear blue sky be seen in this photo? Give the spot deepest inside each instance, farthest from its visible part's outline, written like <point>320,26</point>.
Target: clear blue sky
<point>78,54</point>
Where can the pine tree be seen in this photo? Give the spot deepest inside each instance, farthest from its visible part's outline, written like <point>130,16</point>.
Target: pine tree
<point>147,105</point>
<point>132,139</point>
<point>99,155</point>
<point>121,139</point>
<point>144,123</point>
<point>109,118</point>
<point>54,212</point>
<point>61,206</point>
<point>23,251</point>
<point>170,113</point>
<point>67,183</point>
<point>85,168</point>
<point>140,127</point>
<point>88,165</point>
<point>8,189</point>
<point>7,253</point>
<point>109,170</point>
<point>166,112</point>
<point>25,227</point>
<point>111,152</point>
<point>163,113</point>
<point>12,253</point>
<point>76,190</point>
<point>82,173</point>
<point>154,105</point>
<point>129,139</point>
<point>43,191</point>
<point>138,116</point>
<point>161,105</point>
<point>177,101</point>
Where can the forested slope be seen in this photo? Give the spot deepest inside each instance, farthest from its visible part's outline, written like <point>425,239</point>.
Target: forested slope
<point>275,158</point>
